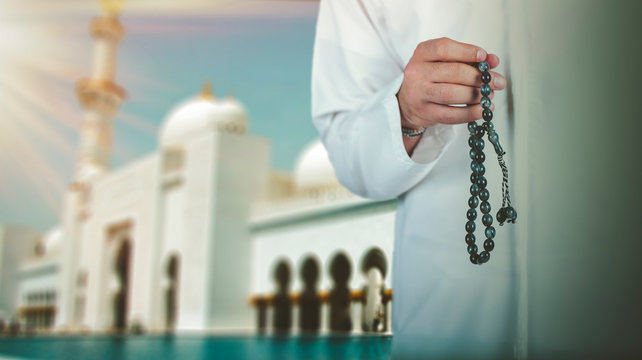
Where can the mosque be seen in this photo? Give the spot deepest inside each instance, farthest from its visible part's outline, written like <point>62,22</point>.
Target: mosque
<point>201,234</point>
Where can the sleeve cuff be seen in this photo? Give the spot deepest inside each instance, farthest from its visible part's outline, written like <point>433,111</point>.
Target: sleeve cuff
<point>433,142</point>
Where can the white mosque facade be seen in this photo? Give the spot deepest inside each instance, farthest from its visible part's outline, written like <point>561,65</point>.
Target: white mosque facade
<point>187,238</point>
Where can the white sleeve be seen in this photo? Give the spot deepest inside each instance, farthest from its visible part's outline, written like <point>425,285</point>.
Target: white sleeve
<point>355,79</point>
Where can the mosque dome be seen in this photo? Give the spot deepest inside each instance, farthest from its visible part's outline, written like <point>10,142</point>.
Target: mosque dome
<point>201,114</point>
<point>313,169</point>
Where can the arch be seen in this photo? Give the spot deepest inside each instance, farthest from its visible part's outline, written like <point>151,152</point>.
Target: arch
<point>374,310</point>
<point>340,314</point>
<point>122,265</point>
<point>309,302</point>
<point>172,271</point>
<point>374,257</point>
<point>282,321</point>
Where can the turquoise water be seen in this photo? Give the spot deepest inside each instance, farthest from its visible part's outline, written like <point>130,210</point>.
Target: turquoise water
<point>196,347</point>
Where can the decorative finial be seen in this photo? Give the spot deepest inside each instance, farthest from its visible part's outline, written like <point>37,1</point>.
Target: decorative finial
<point>207,93</point>
<point>112,7</point>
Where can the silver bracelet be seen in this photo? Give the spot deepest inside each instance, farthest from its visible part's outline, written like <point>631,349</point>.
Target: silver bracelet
<point>412,133</point>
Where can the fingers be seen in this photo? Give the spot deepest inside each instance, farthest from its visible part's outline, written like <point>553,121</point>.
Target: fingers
<point>445,49</point>
<point>449,94</point>
<point>458,73</point>
<point>444,114</point>
<point>492,60</point>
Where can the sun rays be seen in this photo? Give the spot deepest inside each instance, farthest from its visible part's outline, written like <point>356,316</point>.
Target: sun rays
<point>45,48</point>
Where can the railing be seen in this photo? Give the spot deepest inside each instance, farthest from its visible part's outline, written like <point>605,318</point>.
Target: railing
<point>283,307</point>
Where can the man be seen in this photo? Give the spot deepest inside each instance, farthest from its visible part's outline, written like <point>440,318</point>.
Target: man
<point>383,65</point>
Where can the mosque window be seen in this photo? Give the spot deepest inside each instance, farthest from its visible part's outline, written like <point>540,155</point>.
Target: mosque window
<point>173,159</point>
<point>39,249</point>
<point>81,279</point>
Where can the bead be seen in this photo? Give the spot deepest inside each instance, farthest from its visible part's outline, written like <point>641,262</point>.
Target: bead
<point>472,249</point>
<point>487,114</point>
<point>490,232</point>
<point>501,216</point>
<point>473,178</point>
<point>474,190</point>
<point>471,214</point>
<point>472,126</point>
<point>485,89</point>
<point>472,154</point>
<point>485,102</point>
<point>483,66</point>
<point>485,207</point>
<point>484,194</point>
<point>485,77</point>
<point>472,202</point>
<point>471,141</point>
<point>487,219</point>
<point>480,157</point>
<point>474,166</point>
<point>511,215</point>
<point>473,258</point>
<point>470,227</point>
<point>479,131</point>
<point>488,125</point>
<point>489,245</point>
<point>484,257</point>
<point>479,169</point>
<point>470,239</point>
<point>481,182</point>
<point>479,144</point>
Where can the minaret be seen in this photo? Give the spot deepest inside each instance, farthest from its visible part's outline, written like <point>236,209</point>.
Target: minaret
<point>100,95</point>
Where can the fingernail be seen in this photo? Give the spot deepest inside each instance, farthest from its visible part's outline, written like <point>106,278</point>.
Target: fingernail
<point>500,82</point>
<point>481,55</point>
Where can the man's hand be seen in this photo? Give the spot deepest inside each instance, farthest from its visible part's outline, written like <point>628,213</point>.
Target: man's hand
<point>439,74</point>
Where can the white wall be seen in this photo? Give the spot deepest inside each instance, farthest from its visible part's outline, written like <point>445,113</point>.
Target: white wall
<point>242,170</point>
<point>352,231</point>
<point>16,243</point>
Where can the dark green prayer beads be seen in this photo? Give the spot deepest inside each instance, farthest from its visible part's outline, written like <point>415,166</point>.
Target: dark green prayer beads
<point>478,189</point>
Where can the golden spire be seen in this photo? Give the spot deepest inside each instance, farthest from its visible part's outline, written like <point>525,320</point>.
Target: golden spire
<point>206,92</point>
<point>112,7</point>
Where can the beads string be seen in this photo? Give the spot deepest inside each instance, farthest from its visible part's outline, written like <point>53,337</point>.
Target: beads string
<point>478,189</point>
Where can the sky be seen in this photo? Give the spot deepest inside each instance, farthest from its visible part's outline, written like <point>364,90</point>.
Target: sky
<point>258,50</point>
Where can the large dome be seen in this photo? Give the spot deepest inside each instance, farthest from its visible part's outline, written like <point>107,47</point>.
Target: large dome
<point>201,114</point>
<point>314,169</point>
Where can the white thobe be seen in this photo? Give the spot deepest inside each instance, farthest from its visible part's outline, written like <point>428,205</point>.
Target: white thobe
<point>443,305</point>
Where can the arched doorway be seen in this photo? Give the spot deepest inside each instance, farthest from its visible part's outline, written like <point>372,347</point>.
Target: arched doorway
<point>309,301</point>
<point>122,266</point>
<point>171,293</point>
<point>340,301</point>
<point>281,302</point>
<point>374,310</point>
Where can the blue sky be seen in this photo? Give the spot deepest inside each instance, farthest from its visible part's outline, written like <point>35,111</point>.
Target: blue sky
<point>260,51</point>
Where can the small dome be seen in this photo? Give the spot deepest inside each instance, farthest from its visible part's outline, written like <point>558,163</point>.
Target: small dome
<point>314,169</point>
<point>49,243</point>
<point>201,114</point>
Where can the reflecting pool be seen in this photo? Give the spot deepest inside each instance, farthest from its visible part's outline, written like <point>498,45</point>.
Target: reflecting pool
<point>330,347</point>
